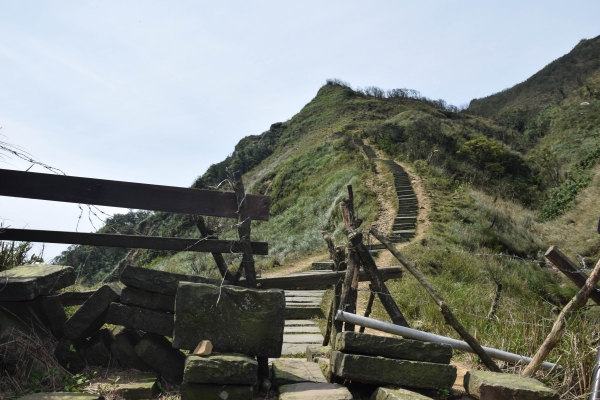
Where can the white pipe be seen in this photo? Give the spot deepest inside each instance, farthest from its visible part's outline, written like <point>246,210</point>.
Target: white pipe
<point>430,337</point>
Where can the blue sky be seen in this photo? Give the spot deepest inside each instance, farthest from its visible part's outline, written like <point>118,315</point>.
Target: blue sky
<point>155,92</point>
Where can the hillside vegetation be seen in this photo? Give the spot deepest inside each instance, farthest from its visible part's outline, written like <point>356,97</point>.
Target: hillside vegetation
<point>513,174</point>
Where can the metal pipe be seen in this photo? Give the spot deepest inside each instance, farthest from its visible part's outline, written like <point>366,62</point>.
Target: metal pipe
<point>430,337</point>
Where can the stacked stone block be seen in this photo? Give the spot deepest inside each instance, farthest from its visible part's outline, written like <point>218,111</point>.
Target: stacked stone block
<point>392,361</point>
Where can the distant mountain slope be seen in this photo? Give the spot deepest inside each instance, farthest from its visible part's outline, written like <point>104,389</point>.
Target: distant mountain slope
<point>550,85</point>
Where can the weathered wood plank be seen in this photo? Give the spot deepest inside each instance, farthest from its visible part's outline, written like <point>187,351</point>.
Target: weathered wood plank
<point>318,281</point>
<point>142,196</point>
<point>130,241</point>
<point>571,270</point>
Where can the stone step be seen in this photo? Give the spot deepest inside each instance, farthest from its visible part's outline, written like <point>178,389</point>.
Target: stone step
<point>299,322</point>
<point>293,348</point>
<point>312,391</point>
<point>322,265</point>
<point>303,304</point>
<point>307,338</point>
<point>300,299</point>
<point>414,219</point>
<point>304,293</point>
<point>301,329</point>
<point>292,370</point>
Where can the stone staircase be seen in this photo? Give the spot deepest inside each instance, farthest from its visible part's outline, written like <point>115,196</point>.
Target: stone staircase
<point>300,331</point>
<point>403,229</point>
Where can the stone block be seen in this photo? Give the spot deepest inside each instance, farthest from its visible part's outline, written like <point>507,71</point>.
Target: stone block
<point>324,366</point>
<point>146,389</point>
<point>92,314</point>
<point>221,368</point>
<point>312,391</point>
<point>204,348</point>
<point>293,370</point>
<point>317,351</point>
<point>155,281</point>
<point>234,319</point>
<point>387,393</point>
<point>393,347</point>
<point>123,349</point>
<point>69,354</point>
<point>38,316</point>
<point>153,301</point>
<point>388,371</point>
<point>97,350</point>
<point>150,321</point>
<point>205,391</point>
<point>27,282</point>
<point>157,352</point>
<point>487,385</point>
<point>62,396</point>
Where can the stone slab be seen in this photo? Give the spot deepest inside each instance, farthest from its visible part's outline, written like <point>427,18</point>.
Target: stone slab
<point>204,391</point>
<point>222,368</point>
<point>27,282</point>
<point>299,322</point>
<point>313,352</point>
<point>69,354</point>
<point>234,319</point>
<point>301,329</point>
<point>43,314</point>
<point>92,314</point>
<point>323,364</point>
<point>487,385</point>
<point>387,393</point>
<point>153,301</point>
<point>312,391</point>
<point>293,348</point>
<point>62,396</point>
<point>388,371</point>
<point>157,352</point>
<point>144,390</point>
<point>155,281</point>
<point>97,350</point>
<point>293,370</point>
<point>123,349</point>
<point>393,347</point>
<point>290,293</point>
<point>303,299</point>
<point>303,338</point>
<point>143,319</point>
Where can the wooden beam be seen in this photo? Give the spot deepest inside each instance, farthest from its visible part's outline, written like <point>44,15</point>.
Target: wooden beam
<point>130,241</point>
<point>571,270</point>
<point>71,189</point>
<point>321,280</point>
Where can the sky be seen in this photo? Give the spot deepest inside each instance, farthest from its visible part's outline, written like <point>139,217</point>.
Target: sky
<point>157,91</point>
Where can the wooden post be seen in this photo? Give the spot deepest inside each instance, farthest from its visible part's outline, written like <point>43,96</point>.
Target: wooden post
<point>350,288</point>
<point>356,241</point>
<point>369,306</point>
<point>571,270</point>
<point>558,329</point>
<point>247,257</point>
<point>496,302</point>
<point>209,234</point>
<point>446,312</point>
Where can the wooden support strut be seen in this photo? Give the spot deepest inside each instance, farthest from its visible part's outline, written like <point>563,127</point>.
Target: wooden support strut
<point>350,288</point>
<point>439,300</point>
<point>356,240</point>
<point>247,257</point>
<point>218,257</point>
<point>571,270</point>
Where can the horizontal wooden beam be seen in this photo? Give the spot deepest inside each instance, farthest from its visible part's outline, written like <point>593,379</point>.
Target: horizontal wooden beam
<point>318,280</point>
<point>571,270</point>
<point>131,242</point>
<point>101,192</point>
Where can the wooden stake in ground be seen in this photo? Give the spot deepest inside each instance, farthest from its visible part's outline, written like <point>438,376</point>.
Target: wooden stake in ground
<point>369,306</point>
<point>558,329</point>
<point>350,288</point>
<point>247,257</point>
<point>448,315</point>
<point>356,241</point>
